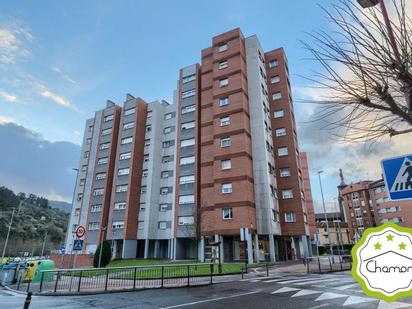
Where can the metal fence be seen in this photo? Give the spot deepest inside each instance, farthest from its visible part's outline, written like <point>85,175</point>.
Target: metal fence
<point>73,281</point>
<point>323,264</point>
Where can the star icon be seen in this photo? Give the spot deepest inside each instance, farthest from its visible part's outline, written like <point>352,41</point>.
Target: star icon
<point>378,246</point>
<point>389,237</point>
<point>402,246</point>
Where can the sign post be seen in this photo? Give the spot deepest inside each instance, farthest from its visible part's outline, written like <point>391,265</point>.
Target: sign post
<point>397,174</point>
<point>244,231</point>
<point>62,252</point>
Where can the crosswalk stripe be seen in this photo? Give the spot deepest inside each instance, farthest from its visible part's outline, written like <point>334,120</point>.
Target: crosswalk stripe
<point>315,281</point>
<point>353,300</point>
<point>284,290</point>
<point>305,292</point>
<point>347,286</point>
<point>329,295</point>
<point>299,280</point>
<point>385,305</point>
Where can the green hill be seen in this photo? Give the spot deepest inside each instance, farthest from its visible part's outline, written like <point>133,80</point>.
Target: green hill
<point>33,217</point>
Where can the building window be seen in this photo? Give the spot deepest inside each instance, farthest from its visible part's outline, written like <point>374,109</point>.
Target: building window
<point>102,160</point>
<point>227,213</point>
<point>188,109</point>
<point>169,116</point>
<point>165,190</point>
<point>275,79</point>
<point>100,176</point>
<point>273,63</point>
<point>225,142</point>
<point>82,182</point>
<point>145,173</point>
<point>162,225</point>
<point>108,118</point>
<point>282,151</point>
<point>279,113</point>
<point>168,144</point>
<point>275,215</point>
<point>186,199</point>
<point>93,226</point>
<point>186,220</point>
<point>188,93</point>
<point>140,225</point>
<point>224,101</point>
<point>188,125</point>
<point>224,121</point>
<point>143,189</point>
<point>188,79</point>
<point>276,96</point>
<point>121,188</point>
<point>186,179</point>
<point>222,47</point>
<point>84,168</point>
<point>290,216</point>
<point>125,156</point>
<point>79,196</point>
<point>118,225</point>
<point>146,158</point>
<point>285,172</point>
<point>104,146</point>
<point>119,205</point>
<point>280,132</point>
<point>96,208</point>
<point>287,194</point>
<point>98,192</point>
<point>166,174</point>
<point>147,142</point>
<point>187,142</point>
<point>167,159</point>
<point>149,114</point>
<point>123,171</point>
<point>86,154</point>
<point>187,160</point>
<point>226,164</point>
<point>148,129</point>
<point>88,141</point>
<point>126,140</point>
<point>163,207</point>
<point>226,188</point>
<point>168,130</point>
<point>128,125</point>
<point>129,111</point>
<point>223,82</point>
<point>91,128</point>
<point>223,64</point>
<point>106,131</point>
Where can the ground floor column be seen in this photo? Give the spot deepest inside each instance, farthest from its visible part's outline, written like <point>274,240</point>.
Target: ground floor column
<point>249,248</point>
<point>272,250</point>
<point>256,245</point>
<point>292,244</point>
<point>156,249</point>
<point>201,249</point>
<point>146,248</point>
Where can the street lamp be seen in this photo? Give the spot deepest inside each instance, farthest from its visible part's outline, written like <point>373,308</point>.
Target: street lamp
<point>101,245</point>
<point>326,216</point>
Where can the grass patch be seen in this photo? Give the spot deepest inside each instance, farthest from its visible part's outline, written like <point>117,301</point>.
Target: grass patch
<point>137,262</point>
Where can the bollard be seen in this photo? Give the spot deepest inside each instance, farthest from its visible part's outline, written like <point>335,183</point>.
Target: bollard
<point>27,301</point>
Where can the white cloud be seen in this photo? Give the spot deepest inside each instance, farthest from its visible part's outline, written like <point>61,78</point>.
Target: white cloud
<point>14,38</point>
<point>5,119</point>
<point>63,75</point>
<point>7,96</point>
<point>46,93</point>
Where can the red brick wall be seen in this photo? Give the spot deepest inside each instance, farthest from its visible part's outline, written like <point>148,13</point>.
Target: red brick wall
<point>82,260</point>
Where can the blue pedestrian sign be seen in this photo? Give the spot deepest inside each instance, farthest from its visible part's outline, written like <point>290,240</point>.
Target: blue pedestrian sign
<point>77,245</point>
<point>397,173</point>
<point>62,250</point>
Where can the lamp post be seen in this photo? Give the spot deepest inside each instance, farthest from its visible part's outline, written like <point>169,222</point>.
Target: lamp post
<point>101,245</point>
<point>8,233</point>
<point>326,215</point>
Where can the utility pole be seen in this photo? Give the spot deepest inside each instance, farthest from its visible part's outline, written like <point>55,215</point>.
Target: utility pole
<point>101,246</point>
<point>44,243</point>
<point>326,215</point>
<point>8,233</point>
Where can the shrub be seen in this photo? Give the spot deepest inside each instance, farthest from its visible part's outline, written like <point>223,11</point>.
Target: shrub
<point>106,255</point>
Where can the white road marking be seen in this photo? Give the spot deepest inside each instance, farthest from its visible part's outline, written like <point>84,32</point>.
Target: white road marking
<point>301,280</point>
<point>320,280</point>
<point>384,305</point>
<point>353,300</point>
<point>329,295</point>
<point>319,306</point>
<point>347,286</point>
<point>210,300</point>
<point>306,292</point>
<point>284,290</point>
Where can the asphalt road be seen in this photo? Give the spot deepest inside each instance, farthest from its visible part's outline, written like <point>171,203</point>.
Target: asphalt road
<point>328,291</point>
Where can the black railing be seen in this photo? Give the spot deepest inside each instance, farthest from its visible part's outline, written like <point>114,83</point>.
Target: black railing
<point>73,281</point>
<point>331,263</point>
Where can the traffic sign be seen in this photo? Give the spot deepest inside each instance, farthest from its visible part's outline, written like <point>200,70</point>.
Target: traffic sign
<point>397,173</point>
<point>80,231</point>
<point>77,245</point>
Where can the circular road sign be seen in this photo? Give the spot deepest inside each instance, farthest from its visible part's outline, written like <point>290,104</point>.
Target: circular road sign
<point>80,231</point>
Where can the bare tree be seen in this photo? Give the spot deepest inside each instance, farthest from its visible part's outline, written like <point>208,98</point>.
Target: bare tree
<point>366,83</point>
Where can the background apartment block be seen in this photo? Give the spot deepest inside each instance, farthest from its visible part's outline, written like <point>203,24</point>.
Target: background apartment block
<point>190,175</point>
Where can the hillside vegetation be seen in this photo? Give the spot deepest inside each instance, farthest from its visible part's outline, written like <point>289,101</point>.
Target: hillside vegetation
<point>33,216</point>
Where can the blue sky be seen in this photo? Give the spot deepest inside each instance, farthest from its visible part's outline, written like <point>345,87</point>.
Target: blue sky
<point>61,60</point>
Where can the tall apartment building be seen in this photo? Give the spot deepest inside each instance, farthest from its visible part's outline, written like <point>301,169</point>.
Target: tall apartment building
<point>308,195</point>
<point>188,176</point>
